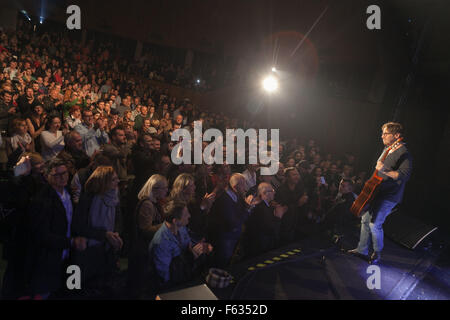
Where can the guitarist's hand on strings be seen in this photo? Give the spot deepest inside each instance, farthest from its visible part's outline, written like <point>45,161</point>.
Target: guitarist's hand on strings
<point>391,174</point>
<point>380,166</point>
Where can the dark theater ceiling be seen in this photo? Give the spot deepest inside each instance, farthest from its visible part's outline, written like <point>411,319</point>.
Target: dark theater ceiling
<point>252,27</point>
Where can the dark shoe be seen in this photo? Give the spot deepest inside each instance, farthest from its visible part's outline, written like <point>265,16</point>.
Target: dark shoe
<point>375,258</point>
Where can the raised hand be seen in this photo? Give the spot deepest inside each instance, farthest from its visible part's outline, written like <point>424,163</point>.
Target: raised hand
<point>302,200</point>
<point>252,201</point>
<point>208,200</point>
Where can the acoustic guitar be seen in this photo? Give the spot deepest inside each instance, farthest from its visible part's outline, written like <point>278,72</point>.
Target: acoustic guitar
<point>370,187</point>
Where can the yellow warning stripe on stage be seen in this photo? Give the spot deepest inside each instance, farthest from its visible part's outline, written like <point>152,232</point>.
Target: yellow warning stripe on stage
<point>275,259</point>
<point>260,265</point>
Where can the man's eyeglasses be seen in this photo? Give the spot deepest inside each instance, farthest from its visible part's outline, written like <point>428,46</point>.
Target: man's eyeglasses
<point>60,175</point>
<point>385,133</point>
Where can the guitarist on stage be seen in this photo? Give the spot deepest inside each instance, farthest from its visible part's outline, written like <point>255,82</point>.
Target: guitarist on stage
<point>395,171</point>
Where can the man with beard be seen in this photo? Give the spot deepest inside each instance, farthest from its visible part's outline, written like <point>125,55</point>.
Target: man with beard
<point>118,152</point>
<point>143,160</point>
<point>27,102</point>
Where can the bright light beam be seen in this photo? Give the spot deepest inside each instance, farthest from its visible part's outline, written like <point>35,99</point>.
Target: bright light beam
<point>270,84</point>
<point>309,31</point>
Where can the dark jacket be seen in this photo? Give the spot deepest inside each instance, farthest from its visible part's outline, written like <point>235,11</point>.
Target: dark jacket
<point>294,215</point>
<point>261,230</point>
<point>226,219</point>
<point>49,239</point>
<point>144,162</point>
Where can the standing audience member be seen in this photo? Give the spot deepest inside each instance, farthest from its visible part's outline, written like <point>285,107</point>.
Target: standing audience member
<point>117,150</point>
<point>147,219</point>
<point>20,141</point>
<point>36,124</point>
<point>262,227</point>
<point>52,139</point>
<point>183,189</point>
<point>51,216</point>
<point>93,136</point>
<point>291,194</point>
<point>97,218</point>
<point>228,213</point>
<point>73,153</point>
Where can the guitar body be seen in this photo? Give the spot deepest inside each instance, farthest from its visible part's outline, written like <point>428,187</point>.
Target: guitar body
<point>366,196</point>
<point>370,187</point>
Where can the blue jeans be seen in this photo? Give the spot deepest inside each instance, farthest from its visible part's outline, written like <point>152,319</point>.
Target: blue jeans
<point>381,209</point>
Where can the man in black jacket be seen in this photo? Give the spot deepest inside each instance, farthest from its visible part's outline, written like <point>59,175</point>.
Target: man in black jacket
<point>27,102</point>
<point>228,214</point>
<point>293,195</point>
<point>50,219</point>
<point>263,226</point>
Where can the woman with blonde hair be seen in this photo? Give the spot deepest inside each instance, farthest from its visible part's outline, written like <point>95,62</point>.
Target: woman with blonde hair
<point>97,218</point>
<point>183,189</point>
<point>148,209</point>
<point>147,219</point>
<point>20,138</point>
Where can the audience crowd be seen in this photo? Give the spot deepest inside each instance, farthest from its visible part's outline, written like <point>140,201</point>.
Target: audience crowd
<point>88,179</point>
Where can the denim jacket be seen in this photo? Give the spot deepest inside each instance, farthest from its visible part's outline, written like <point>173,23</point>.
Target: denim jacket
<point>92,139</point>
<point>164,247</point>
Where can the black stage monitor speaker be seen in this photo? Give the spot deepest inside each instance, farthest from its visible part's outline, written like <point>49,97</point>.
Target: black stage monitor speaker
<point>405,230</point>
<point>201,292</point>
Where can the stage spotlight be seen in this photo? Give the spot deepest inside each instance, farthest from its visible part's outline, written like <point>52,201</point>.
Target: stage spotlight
<point>270,84</point>
<point>274,69</point>
<point>26,14</point>
<point>198,80</point>
<point>41,19</point>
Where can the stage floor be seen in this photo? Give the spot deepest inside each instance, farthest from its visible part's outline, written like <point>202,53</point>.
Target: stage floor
<point>315,269</point>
